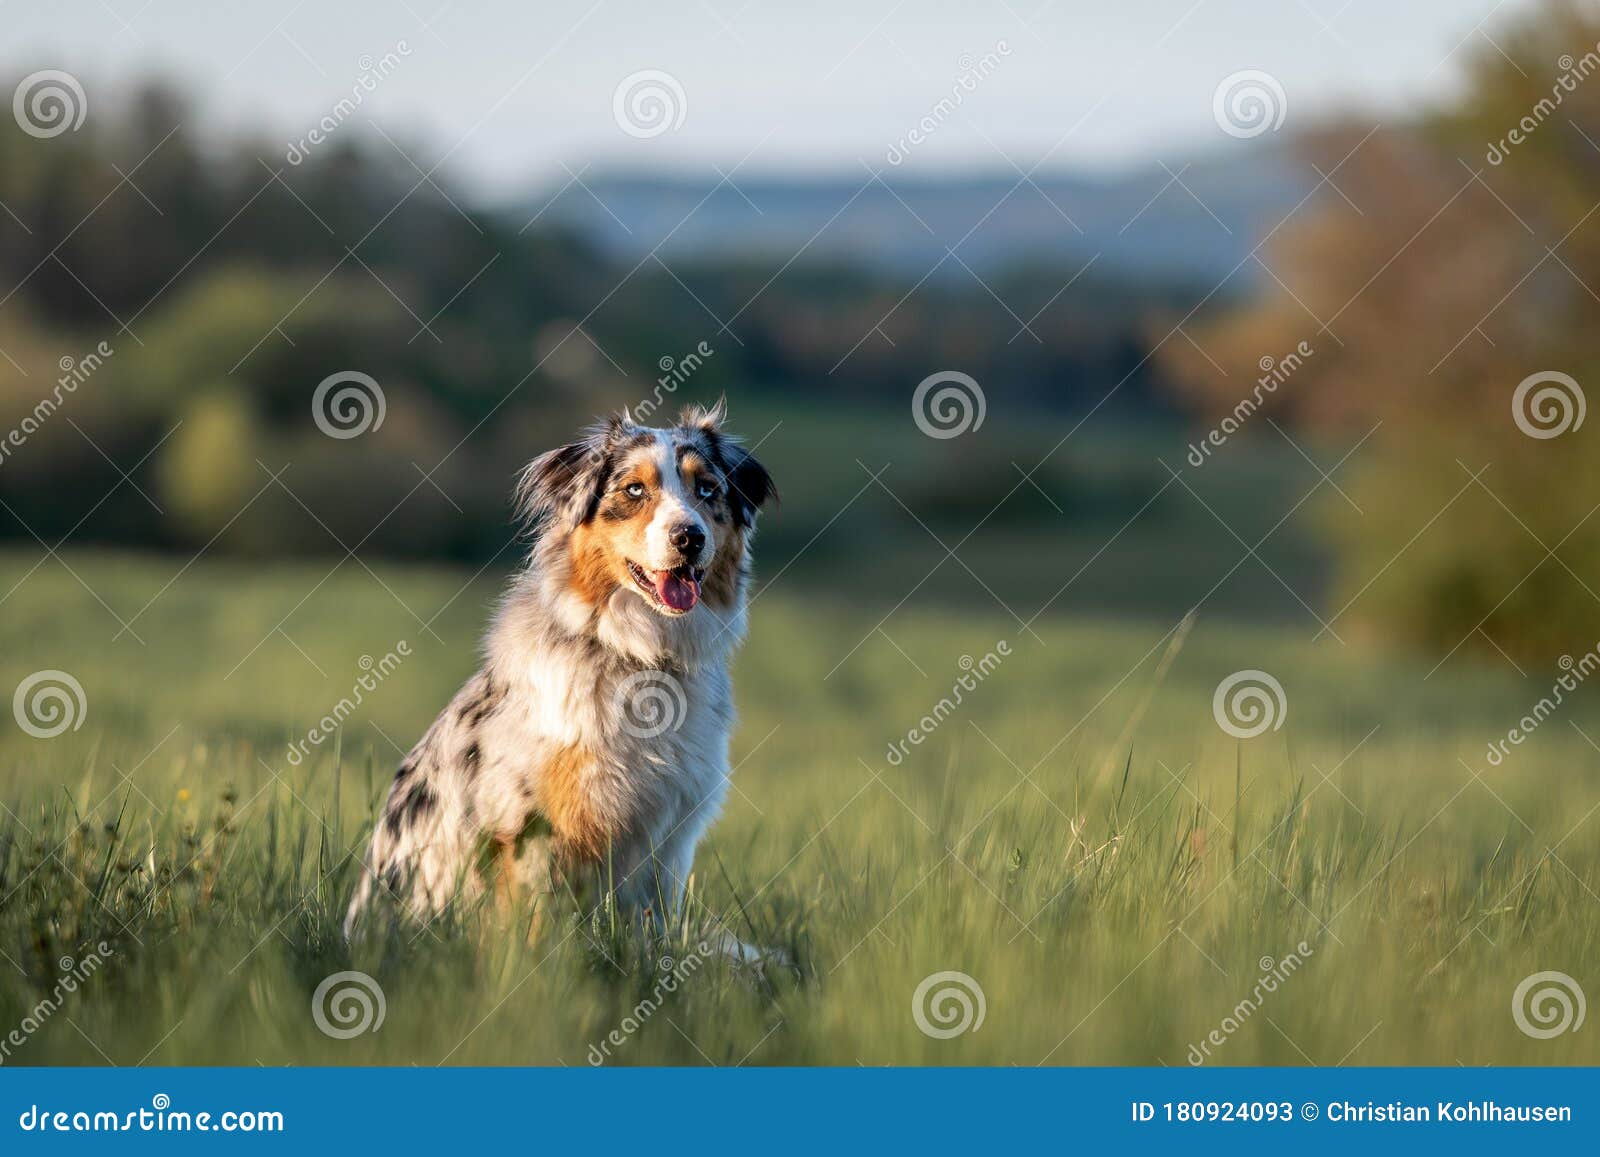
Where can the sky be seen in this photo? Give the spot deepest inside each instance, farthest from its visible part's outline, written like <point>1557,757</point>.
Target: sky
<point>511,96</point>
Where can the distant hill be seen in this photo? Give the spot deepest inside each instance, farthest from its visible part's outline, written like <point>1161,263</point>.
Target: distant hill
<point>1141,222</point>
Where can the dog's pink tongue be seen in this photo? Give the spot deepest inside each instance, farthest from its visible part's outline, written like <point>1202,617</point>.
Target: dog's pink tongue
<point>677,592</point>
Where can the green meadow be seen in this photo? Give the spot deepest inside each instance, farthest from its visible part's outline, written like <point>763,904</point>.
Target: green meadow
<point>1079,838</point>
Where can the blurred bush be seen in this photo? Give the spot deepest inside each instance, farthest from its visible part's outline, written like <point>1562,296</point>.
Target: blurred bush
<point>208,466</point>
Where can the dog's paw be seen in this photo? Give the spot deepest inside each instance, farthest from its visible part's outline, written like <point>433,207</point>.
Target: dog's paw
<point>750,955</point>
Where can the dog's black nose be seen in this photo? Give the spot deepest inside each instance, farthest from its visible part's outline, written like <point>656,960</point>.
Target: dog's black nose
<point>689,539</point>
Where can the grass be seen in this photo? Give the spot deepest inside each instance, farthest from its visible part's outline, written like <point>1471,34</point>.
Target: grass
<point>1112,899</point>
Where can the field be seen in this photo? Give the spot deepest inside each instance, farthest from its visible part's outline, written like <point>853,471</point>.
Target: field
<point>1079,837</point>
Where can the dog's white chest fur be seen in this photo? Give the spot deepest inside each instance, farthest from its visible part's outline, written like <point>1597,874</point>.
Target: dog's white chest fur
<point>645,745</point>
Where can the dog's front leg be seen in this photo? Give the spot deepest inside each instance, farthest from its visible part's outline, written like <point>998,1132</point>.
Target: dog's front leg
<point>673,865</point>
<point>523,871</point>
<point>505,883</point>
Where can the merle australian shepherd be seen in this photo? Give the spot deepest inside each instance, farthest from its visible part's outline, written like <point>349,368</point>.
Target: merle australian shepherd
<point>595,734</point>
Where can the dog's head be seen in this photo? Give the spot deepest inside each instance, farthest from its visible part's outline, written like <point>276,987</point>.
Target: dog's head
<point>663,515</point>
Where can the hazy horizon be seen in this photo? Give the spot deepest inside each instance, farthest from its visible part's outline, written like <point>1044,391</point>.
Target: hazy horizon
<point>505,98</point>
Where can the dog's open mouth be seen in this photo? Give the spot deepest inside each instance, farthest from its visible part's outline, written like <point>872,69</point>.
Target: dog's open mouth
<point>674,591</point>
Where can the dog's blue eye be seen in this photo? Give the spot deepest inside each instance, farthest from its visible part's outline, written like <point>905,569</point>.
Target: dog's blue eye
<point>634,490</point>
<point>705,490</point>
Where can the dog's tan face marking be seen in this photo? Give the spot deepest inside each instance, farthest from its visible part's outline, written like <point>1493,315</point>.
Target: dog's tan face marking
<point>601,547</point>
<point>722,578</point>
<point>708,490</point>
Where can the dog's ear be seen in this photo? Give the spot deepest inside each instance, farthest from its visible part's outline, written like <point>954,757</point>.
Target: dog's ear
<point>708,418</point>
<point>563,486</point>
<point>749,484</point>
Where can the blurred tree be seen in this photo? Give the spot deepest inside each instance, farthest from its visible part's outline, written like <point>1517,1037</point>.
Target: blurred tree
<point>231,280</point>
<point>1448,266</point>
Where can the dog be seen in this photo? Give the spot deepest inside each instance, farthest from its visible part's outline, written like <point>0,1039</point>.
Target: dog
<point>593,741</point>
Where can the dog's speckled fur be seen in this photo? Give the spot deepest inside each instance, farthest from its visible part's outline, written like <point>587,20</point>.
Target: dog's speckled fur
<point>596,731</point>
